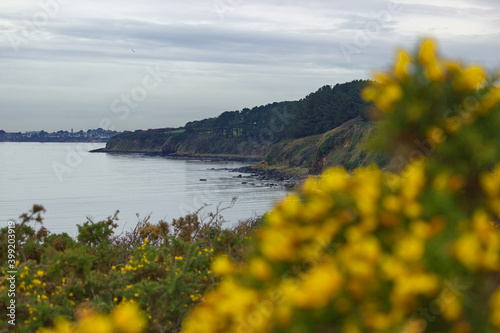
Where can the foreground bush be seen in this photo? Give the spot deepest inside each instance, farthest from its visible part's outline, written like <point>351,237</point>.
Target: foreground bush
<point>369,251</point>
<point>149,277</point>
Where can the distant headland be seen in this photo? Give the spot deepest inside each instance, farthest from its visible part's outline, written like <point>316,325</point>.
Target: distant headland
<point>91,135</point>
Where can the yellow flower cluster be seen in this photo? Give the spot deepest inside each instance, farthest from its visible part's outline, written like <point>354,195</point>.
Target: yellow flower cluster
<point>326,237</point>
<point>350,245</point>
<point>125,318</point>
<point>371,251</point>
<point>389,88</point>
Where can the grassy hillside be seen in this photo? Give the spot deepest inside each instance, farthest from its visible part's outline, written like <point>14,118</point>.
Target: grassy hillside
<point>344,145</point>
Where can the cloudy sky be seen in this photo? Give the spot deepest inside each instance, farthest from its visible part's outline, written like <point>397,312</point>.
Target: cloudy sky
<point>160,63</point>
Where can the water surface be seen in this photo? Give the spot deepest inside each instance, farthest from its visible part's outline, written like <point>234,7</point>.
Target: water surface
<point>73,184</point>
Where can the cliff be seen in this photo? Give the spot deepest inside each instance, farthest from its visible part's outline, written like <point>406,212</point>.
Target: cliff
<point>343,145</point>
<point>326,128</point>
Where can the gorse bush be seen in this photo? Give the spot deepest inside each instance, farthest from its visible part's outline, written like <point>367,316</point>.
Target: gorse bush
<point>416,251</point>
<point>149,277</point>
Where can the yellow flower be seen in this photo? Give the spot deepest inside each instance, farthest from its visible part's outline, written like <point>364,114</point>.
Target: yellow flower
<point>469,79</point>
<point>435,72</point>
<point>97,323</point>
<point>410,248</point>
<point>413,209</point>
<point>392,267</point>
<point>401,68</point>
<point>260,269</point>
<point>277,245</point>
<point>318,287</point>
<point>129,318</point>
<point>421,229</point>
<point>453,67</point>
<point>369,93</point>
<point>434,69</point>
<point>391,203</point>
<point>452,310</point>
<point>415,180</point>
<point>427,53</point>
<point>481,224</point>
<point>387,98</point>
<point>61,325</point>
<point>490,100</point>
<point>467,250</point>
<point>334,179</point>
<point>222,265</point>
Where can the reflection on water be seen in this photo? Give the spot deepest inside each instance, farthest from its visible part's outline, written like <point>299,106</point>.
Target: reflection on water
<point>73,184</point>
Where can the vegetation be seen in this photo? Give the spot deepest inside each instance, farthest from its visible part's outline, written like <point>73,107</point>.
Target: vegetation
<point>152,275</point>
<point>327,108</point>
<point>344,145</point>
<point>245,123</point>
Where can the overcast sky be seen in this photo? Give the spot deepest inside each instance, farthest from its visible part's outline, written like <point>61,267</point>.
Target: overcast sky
<point>159,63</point>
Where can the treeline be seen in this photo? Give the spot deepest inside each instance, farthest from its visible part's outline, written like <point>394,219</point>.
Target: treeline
<point>327,108</point>
<point>317,113</point>
<point>245,123</point>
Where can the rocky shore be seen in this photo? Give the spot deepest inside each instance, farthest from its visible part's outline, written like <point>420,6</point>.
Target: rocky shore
<point>269,177</point>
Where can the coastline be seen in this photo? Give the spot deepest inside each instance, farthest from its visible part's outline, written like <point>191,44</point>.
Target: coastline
<point>212,157</point>
<point>258,170</point>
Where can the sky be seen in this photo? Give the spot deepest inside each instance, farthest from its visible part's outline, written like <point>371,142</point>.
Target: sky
<point>121,65</point>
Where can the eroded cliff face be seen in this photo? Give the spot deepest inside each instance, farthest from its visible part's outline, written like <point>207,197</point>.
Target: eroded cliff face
<point>168,142</point>
<point>139,141</point>
<point>342,146</point>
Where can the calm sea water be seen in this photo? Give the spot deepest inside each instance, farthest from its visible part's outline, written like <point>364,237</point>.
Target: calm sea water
<point>73,184</point>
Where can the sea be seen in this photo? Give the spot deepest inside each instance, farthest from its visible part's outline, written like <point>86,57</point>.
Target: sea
<point>74,185</point>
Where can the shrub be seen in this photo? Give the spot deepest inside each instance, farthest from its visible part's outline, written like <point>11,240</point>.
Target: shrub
<point>70,285</point>
<point>377,252</point>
